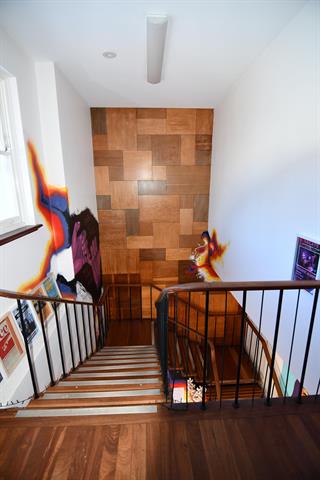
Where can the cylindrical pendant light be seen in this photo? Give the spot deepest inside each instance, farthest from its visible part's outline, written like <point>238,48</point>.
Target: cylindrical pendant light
<point>156,36</point>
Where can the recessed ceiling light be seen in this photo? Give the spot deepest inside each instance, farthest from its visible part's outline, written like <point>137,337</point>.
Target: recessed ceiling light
<point>109,54</point>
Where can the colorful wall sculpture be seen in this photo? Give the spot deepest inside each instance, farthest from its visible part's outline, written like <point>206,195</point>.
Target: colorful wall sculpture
<point>79,232</point>
<point>206,255</point>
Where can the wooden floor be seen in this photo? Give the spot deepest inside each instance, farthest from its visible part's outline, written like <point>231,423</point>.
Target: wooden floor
<point>245,443</point>
<point>130,332</point>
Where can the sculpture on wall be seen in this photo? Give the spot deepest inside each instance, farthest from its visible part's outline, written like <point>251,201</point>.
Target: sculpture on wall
<point>78,232</point>
<point>206,255</point>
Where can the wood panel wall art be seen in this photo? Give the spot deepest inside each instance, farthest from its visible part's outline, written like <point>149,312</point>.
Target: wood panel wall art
<point>152,169</point>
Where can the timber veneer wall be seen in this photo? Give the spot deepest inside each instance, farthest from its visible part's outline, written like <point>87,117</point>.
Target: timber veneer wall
<point>152,169</point>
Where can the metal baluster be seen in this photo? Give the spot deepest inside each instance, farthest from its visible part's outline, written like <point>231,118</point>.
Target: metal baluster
<point>119,303</point>
<point>100,326</point>
<point>203,403</point>
<point>223,345</point>
<point>59,339</point>
<point>103,323</point>
<point>256,352</point>
<point>305,361</point>
<point>46,346</point>
<point>175,343</point>
<point>317,391</point>
<point>69,335</point>
<point>141,313</point>
<point>291,346</point>
<point>274,349</point>
<point>188,340</point>
<point>94,325</point>
<point>106,321</point>
<point>84,333</point>
<point>89,326</point>
<point>130,294</point>
<point>25,338</point>
<point>151,315</point>
<point>77,331</point>
<point>244,301</point>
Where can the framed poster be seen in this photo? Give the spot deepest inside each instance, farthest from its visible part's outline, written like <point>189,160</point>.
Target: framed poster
<point>29,320</point>
<point>50,287</point>
<point>11,351</point>
<point>306,262</point>
<point>45,307</point>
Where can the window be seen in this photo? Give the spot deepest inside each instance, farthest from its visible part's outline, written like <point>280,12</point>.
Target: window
<point>16,208</point>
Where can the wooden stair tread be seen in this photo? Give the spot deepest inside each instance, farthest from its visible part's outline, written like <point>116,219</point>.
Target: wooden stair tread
<point>95,402</point>
<point>102,388</point>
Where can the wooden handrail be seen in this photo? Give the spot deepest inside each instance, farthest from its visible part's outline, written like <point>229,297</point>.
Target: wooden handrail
<point>240,286</point>
<point>131,285</point>
<point>267,354</point>
<point>28,296</point>
<point>215,368</point>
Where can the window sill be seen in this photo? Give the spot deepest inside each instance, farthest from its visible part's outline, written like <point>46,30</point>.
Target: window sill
<point>18,233</point>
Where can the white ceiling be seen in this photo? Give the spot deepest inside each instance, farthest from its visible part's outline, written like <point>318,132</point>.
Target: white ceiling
<point>209,45</point>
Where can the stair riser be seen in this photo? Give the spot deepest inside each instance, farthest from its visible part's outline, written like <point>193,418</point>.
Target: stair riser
<point>80,412</point>
<point>133,381</point>
<point>119,362</point>
<point>110,394</point>
<point>115,374</point>
<point>119,367</point>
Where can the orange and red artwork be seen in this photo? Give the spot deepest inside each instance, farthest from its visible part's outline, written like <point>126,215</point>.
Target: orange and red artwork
<point>206,255</point>
<point>52,202</point>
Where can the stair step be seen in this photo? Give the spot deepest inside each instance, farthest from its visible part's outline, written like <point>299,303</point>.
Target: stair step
<point>124,356</point>
<point>129,350</point>
<point>94,361</point>
<point>123,381</point>
<point>94,402</point>
<point>128,367</point>
<point>75,412</point>
<point>156,373</point>
<point>103,394</point>
<point>128,346</point>
<point>102,388</point>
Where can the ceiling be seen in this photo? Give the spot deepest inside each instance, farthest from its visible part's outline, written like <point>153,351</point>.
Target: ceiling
<point>209,44</point>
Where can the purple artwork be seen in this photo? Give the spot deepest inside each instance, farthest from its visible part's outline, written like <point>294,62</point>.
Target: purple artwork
<point>84,231</point>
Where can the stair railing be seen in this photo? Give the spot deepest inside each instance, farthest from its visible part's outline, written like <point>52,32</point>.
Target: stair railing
<point>168,302</point>
<point>71,330</point>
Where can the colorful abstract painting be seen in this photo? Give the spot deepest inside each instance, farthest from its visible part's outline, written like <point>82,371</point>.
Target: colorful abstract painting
<point>79,232</point>
<point>205,256</point>
<point>52,203</point>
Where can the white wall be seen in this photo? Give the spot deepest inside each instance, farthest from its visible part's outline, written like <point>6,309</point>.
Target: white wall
<point>57,121</point>
<point>76,139</point>
<point>265,183</point>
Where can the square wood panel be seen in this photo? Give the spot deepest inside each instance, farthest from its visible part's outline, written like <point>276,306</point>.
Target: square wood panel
<point>124,195</point>
<point>152,169</point>
<point>137,165</point>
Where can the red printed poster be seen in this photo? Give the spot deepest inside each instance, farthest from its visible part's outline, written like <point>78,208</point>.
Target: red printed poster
<point>11,350</point>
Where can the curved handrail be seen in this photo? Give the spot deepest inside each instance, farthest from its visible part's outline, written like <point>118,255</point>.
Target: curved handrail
<point>240,286</point>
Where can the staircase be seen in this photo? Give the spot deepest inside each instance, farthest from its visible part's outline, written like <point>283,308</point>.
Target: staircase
<point>186,357</point>
<point>115,380</point>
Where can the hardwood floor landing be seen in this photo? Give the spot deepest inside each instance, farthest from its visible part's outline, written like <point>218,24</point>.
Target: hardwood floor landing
<point>130,332</point>
<point>245,443</point>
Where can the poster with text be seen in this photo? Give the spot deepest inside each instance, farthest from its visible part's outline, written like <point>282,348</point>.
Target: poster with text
<point>45,307</point>
<point>30,323</point>
<point>306,263</point>
<point>50,287</point>
<point>11,350</point>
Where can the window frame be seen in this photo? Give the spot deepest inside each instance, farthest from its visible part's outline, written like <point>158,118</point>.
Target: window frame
<point>11,120</point>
